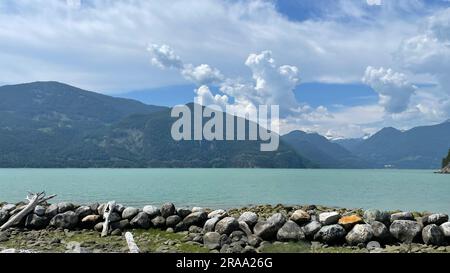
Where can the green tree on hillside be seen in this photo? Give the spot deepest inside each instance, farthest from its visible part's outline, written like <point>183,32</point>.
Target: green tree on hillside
<point>446,161</point>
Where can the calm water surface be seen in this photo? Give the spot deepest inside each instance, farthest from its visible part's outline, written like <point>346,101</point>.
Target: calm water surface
<point>225,188</point>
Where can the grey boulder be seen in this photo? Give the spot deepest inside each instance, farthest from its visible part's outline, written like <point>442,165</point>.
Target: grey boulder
<point>437,219</point>
<point>220,213</point>
<point>405,230</point>
<point>141,220</point>
<point>210,224</point>
<point>66,220</point>
<point>152,211</point>
<point>249,217</point>
<point>211,240</point>
<point>433,235</point>
<point>39,210</point>
<point>34,221</point>
<point>445,227</point>
<point>402,216</point>
<point>196,218</point>
<point>330,234</point>
<point>83,211</point>
<point>380,231</point>
<point>129,213</point>
<point>173,220</point>
<point>65,206</point>
<point>167,210</point>
<point>360,234</point>
<point>329,218</point>
<point>312,228</point>
<point>290,231</point>
<point>267,230</point>
<point>159,222</point>
<point>372,215</point>
<point>227,225</point>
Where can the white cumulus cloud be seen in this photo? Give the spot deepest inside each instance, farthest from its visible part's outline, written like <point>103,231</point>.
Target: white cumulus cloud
<point>164,57</point>
<point>202,74</point>
<point>393,89</point>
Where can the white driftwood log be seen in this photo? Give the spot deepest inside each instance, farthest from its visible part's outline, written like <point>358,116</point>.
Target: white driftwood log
<point>34,199</point>
<point>131,244</point>
<point>106,213</point>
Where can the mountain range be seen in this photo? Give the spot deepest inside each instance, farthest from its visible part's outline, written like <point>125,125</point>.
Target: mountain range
<point>51,125</point>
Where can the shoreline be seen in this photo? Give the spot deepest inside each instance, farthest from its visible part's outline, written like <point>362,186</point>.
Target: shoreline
<point>68,227</point>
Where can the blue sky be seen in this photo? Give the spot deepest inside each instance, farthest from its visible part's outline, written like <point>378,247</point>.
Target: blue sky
<point>343,68</point>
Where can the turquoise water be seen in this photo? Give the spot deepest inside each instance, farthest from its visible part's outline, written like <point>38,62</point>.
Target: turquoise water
<point>225,188</point>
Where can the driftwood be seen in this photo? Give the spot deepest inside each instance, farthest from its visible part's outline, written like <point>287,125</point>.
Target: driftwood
<point>34,199</point>
<point>131,244</point>
<point>106,213</point>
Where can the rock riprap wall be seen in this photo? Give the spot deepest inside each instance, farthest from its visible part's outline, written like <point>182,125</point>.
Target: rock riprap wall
<point>244,230</point>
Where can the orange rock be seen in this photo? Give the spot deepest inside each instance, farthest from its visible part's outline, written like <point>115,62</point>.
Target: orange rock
<point>349,221</point>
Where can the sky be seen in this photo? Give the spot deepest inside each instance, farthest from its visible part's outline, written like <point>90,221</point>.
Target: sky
<point>342,68</point>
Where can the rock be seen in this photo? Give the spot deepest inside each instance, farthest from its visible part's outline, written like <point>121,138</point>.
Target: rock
<point>4,236</point>
<point>210,224</point>
<point>348,222</point>
<point>39,210</point>
<point>159,222</point>
<point>152,211</point>
<point>402,216</point>
<point>376,215</point>
<point>211,240</point>
<point>254,240</point>
<point>119,208</point>
<point>237,235</point>
<point>405,230</point>
<point>250,218</point>
<point>245,228</point>
<point>249,249</point>
<point>267,230</point>
<point>311,229</point>
<point>83,211</point>
<point>300,217</point>
<point>290,231</point>
<point>91,219</point>
<point>114,217</point>
<point>66,220</point>
<point>4,216</point>
<point>445,227</point>
<point>94,207</point>
<point>195,229</point>
<point>433,235</point>
<point>437,219</point>
<point>173,220</point>
<point>122,224</point>
<point>329,218</point>
<point>116,232</point>
<point>196,218</point>
<point>380,231</point>
<point>167,210</point>
<point>198,209</point>
<point>52,210</point>
<point>141,220</point>
<point>99,226</point>
<point>182,212</point>
<point>129,213</point>
<point>65,206</point>
<point>8,207</point>
<point>373,245</point>
<point>331,234</point>
<point>180,227</point>
<point>360,234</point>
<point>34,221</point>
<point>227,225</point>
<point>101,209</point>
<point>220,213</point>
